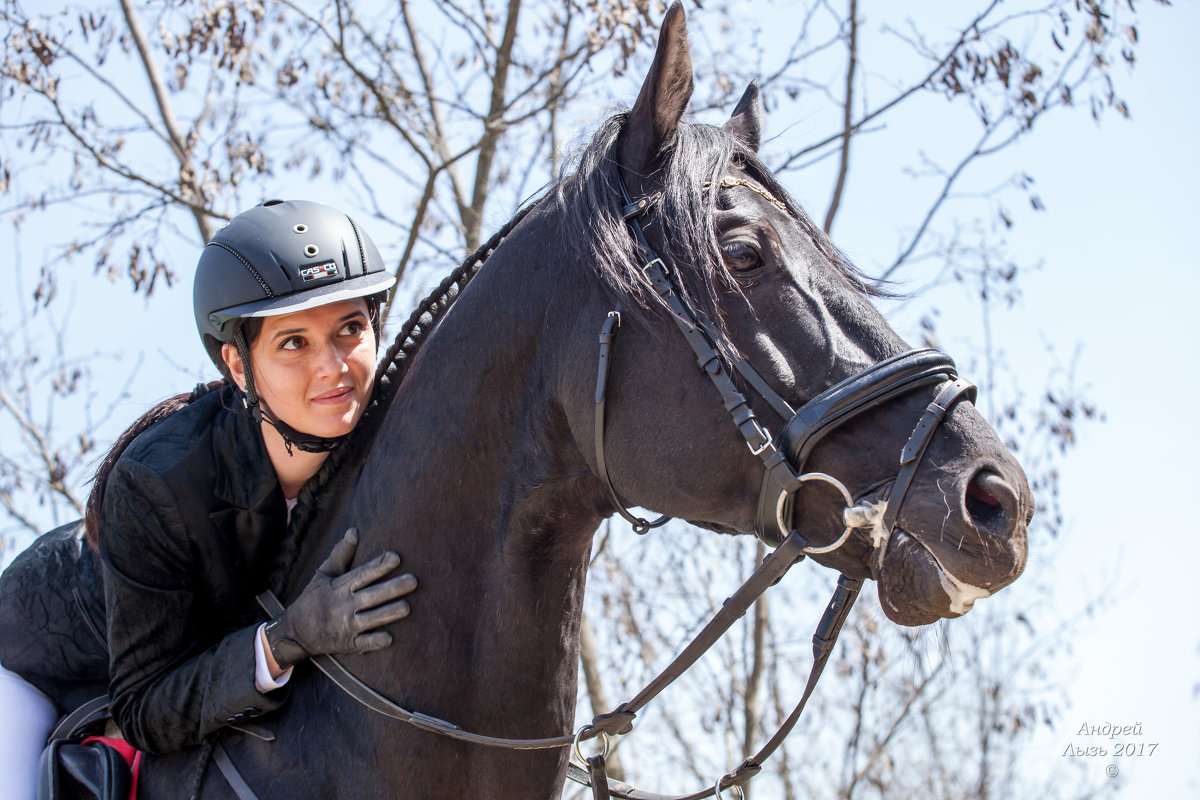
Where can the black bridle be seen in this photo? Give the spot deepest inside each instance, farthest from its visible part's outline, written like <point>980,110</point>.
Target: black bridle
<point>783,457</point>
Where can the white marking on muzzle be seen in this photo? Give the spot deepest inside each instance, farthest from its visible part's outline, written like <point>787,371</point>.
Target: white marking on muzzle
<point>869,517</point>
<point>962,595</point>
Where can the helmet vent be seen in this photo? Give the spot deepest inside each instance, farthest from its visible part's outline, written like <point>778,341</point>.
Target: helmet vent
<point>311,250</point>
<point>300,227</point>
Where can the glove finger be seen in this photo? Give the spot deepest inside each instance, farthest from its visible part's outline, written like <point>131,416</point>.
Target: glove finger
<point>368,642</point>
<point>341,555</point>
<point>368,573</point>
<point>383,591</point>
<point>376,617</point>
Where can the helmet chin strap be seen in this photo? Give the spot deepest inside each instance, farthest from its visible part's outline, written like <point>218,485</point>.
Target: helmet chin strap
<point>260,413</point>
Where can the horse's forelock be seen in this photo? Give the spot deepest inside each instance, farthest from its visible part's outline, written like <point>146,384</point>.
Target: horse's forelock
<point>589,197</point>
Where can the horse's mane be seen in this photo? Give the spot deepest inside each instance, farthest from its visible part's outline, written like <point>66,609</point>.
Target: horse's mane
<point>589,198</point>
<point>700,155</point>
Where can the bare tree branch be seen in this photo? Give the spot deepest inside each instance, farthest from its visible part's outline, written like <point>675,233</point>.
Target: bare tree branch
<point>187,171</point>
<point>847,116</point>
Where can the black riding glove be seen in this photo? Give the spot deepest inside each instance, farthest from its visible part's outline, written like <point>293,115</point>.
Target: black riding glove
<point>339,611</point>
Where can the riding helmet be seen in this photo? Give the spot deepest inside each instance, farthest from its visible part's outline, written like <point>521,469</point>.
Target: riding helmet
<point>281,257</point>
<point>278,258</point>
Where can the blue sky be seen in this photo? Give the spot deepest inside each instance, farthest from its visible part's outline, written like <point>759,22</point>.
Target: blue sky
<point>1118,247</point>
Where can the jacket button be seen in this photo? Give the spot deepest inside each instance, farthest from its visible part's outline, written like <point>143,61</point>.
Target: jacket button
<point>231,719</point>
<point>251,711</point>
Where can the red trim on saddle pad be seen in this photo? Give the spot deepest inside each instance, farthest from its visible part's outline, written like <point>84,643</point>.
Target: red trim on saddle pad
<point>132,757</point>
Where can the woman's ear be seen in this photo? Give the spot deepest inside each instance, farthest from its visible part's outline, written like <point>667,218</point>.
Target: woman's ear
<point>233,362</point>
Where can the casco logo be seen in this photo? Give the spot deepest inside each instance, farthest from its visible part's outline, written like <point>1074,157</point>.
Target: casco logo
<point>329,270</point>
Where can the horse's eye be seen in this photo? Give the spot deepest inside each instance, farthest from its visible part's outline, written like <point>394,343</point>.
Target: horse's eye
<point>741,257</point>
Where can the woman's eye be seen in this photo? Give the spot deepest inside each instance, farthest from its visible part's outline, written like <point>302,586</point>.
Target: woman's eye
<point>741,257</point>
<point>292,343</point>
<point>352,328</point>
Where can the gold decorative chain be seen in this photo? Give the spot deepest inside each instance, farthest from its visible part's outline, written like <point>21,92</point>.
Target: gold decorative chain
<point>729,183</point>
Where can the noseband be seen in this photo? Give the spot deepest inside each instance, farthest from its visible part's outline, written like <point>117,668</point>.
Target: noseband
<point>783,456</point>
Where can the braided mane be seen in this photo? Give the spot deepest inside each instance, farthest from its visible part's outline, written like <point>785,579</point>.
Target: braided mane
<point>388,376</point>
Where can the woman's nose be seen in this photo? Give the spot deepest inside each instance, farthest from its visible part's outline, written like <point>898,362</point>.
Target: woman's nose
<point>332,359</point>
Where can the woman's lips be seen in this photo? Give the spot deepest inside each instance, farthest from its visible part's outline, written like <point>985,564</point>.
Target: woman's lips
<point>334,396</point>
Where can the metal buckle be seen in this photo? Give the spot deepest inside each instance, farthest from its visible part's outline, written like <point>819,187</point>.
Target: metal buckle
<point>765,434</point>
<point>652,262</point>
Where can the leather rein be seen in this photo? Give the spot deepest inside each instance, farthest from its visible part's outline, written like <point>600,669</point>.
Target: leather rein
<point>782,457</point>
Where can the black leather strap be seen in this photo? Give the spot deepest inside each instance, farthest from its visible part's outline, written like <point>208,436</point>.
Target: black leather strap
<point>910,457</point>
<point>598,777</point>
<point>608,337</point>
<point>236,781</point>
<point>92,710</point>
<point>914,448</point>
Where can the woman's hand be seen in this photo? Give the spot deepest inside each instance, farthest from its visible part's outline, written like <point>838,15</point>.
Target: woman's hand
<point>339,611</point>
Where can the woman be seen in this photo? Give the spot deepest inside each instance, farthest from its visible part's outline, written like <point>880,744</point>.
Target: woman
<point>193,503</point>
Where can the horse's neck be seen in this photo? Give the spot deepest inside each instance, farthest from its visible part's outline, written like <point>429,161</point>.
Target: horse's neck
<point>474,479</point>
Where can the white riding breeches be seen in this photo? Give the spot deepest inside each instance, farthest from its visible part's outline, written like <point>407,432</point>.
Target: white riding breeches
<point>29,716</point>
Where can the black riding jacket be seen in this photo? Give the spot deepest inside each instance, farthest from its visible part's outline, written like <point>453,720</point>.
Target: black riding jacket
<point>52,618</point>
<point>193,516</point>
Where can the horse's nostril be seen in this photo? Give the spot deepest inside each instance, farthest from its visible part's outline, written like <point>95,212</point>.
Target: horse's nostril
<point>986,493</point>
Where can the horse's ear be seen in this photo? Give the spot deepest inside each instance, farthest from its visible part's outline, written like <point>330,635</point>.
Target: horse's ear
<point>660,105</point>
<point>746,124</point>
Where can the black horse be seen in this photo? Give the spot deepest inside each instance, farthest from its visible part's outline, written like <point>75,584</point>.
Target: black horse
<point>483,473</point>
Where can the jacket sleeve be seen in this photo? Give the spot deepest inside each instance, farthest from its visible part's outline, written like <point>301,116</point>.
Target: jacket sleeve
<point>169,688</point>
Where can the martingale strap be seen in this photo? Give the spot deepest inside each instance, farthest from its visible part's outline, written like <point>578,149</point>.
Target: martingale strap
<point>836,614</point>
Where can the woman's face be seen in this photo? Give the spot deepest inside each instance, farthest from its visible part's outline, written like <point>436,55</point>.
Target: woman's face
<point>313,369</point>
